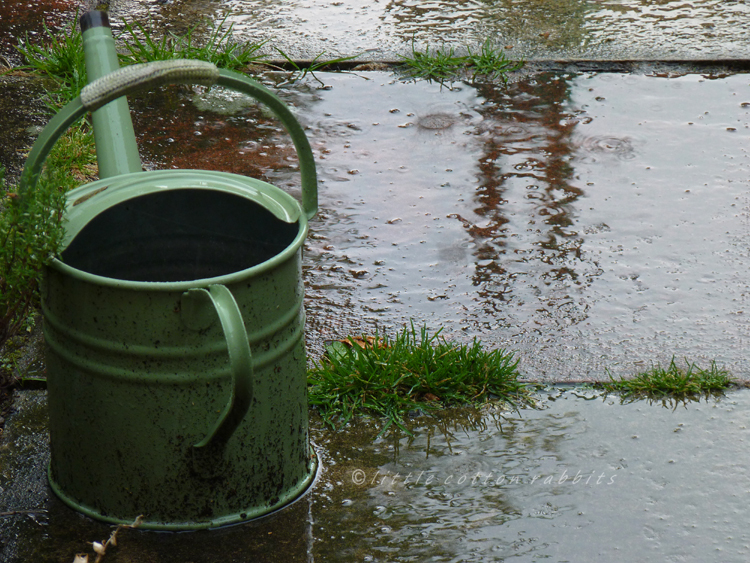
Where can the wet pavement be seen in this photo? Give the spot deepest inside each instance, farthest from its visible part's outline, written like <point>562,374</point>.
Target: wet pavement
<point>20,20</point>
<point>528,29</point>
<point>615,30</point>
<point>591,221</point>
<point>581,479</point>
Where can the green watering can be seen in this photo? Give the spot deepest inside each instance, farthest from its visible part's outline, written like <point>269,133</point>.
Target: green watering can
<point>174,320</point>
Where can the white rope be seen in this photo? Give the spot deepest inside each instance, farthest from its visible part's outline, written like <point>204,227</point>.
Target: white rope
<point>136,77</point>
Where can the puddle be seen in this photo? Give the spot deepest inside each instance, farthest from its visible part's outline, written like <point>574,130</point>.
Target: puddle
<point>578,481</point>
<point>380,30</point>
<point>582,479</point>
<point>590,221</point>
<point>608,29</point>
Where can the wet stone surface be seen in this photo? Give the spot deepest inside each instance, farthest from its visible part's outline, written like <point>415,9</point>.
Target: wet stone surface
<point>589,221</point>
<point>582,478</point>
<point>374,30</point>
<point>20,20</point>
<point>529,30</point>
<point>23,117</point>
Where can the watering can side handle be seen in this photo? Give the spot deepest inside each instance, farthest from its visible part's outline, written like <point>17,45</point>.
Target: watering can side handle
<point>241,365</point>
<point>59,123</point>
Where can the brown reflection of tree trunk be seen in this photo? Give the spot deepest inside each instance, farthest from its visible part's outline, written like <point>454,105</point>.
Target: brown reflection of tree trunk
<point>527,197</point>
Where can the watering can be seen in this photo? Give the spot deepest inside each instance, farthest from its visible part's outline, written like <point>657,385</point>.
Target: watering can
<point>173,320</point>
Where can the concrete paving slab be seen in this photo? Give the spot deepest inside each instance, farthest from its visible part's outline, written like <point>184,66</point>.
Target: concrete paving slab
<point>529,29</point>
<point>588,221</point>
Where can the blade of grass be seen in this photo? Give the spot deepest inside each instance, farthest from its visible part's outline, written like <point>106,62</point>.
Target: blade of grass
<point>491,62</point>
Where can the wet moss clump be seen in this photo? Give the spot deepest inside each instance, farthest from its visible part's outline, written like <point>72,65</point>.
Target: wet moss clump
<point>391,377</point>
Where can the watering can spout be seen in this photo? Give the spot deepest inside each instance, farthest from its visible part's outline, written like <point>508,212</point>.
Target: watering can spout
<point>116,147</point>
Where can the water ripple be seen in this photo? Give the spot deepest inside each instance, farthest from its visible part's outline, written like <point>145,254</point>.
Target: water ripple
<point>619,147</point>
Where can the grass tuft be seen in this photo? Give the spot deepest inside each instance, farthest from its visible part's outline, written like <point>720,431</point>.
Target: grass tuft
<point>443,64</point>
<point>218,48</point>
<point>390,377</point>
<point>671,384</point>
<point>492,63</point>
<point>59,58</point>
<point>439,64</point>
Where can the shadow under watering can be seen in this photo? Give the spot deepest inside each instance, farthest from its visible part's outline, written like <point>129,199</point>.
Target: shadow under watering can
<point>174,320</point>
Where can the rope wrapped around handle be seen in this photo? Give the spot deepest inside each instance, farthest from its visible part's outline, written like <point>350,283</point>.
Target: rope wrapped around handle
<point>148,75</point>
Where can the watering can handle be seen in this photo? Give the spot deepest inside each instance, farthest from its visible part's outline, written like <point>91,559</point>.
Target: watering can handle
<point>130,79</point>
<point>240,361</point>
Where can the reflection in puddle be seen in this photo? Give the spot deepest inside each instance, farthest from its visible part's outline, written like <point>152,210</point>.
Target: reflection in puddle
<point>576,480</point>
<point>588,221</point>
